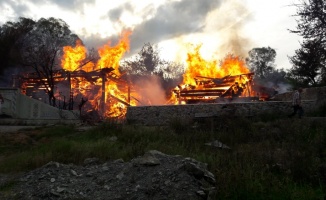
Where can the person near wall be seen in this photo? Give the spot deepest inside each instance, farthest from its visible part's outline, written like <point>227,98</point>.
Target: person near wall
<point>296,103</point>
<point>1,102</point>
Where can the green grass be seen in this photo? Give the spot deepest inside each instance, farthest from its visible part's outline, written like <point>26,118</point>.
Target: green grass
<point>270,157</point>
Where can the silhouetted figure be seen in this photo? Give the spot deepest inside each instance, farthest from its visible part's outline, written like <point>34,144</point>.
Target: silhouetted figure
<point>296,103</point>
<point>82,102</point>
<point>2,101</point>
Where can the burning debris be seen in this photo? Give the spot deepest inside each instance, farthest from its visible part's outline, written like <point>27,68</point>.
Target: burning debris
<point>209,89</point>
<point>205,82</point>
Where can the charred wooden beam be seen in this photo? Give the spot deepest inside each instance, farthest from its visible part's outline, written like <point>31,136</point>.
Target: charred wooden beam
<point>121,101</point>
<point>201,95</point>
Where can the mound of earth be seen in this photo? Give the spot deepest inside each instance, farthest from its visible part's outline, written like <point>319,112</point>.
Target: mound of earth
<point>154,175</point>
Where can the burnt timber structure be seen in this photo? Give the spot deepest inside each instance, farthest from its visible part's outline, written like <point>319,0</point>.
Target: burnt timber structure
<point>212,90</point>
<point>31,84</point>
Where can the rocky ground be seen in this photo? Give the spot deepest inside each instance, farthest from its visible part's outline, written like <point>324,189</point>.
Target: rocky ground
<point>152,176</point>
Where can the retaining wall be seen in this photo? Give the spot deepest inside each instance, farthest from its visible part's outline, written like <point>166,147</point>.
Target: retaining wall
<point>282,105</point>
<point>162,115</point>
<point>20,109</point>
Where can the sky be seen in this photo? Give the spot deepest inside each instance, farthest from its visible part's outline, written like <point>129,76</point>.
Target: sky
<point>220,26</point>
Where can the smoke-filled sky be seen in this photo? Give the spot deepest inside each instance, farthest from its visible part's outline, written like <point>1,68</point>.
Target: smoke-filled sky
<point>221,26</point>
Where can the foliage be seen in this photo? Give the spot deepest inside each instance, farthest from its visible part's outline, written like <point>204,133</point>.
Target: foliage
<point>311,24</point>
<point>309,65</point>
<point>41,47</point>
<point>10,33</point>
<point>261,61</point>
<point>148,63</point>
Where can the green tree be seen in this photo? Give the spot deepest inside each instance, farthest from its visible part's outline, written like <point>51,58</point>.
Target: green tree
<point>148,63</point>
<point>308,64</point>
<point>261,61</point>
<point>10,33</point>
<point>311,24</point>
<point>41,50</point>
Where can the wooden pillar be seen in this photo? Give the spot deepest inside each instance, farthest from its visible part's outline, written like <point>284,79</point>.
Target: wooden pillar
<point>103,93</point>
<point>71,98</point>
<point>128,93</point>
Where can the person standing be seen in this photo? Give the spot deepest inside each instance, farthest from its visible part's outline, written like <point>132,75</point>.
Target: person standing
<point>1,102</point>
<point>296,103</point>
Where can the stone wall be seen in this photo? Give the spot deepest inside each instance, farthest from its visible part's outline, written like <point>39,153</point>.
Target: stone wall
<point>162,115</point>
<point>281,104</point>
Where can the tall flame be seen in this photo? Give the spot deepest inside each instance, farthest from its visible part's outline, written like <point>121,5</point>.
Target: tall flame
<point>116,97</point>
<point>111,56</point>
<point>198,66</point>
<point>73,56</point>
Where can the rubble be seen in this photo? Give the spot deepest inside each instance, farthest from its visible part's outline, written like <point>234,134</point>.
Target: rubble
<point>154,175</point>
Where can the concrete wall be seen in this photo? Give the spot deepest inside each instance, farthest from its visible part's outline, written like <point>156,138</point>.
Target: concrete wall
<point>20,107</point>
<point>282,105</point>
<point>162,115</point>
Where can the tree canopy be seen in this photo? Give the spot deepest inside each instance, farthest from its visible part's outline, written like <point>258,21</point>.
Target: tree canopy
<point>261,61</point>
<point>10,33</point>
<point>309,65</point>
<point>41,49</point>
<point>35,46</point>
<point>311,24</point>
<point>149,63</point>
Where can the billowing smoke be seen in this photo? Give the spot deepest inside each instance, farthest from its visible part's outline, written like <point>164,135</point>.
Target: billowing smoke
<point>232,16</point>
<point>151,91</point>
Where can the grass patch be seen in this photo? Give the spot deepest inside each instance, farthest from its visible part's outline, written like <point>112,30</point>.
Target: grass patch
<point>270,157</point>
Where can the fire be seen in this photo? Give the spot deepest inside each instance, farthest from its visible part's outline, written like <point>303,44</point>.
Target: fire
<point>73,56</point>
<point>207,80</point>
<point>198,66</point>
<point>104,94</point>
<point>111,56</point>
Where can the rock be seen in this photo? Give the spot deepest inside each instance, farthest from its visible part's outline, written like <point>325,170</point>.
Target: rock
<point>147,159</point>
<point>217,144</point>
<point>90,161</point>
<point>154,175</point>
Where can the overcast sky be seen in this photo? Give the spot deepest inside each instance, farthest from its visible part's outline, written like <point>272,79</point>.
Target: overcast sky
<point>221,26</point>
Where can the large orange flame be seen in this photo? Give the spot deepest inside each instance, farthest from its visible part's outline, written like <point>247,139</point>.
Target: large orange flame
<point>211,75</point>
<point>116,96</point>
<point>111,56</point>
<point>198,66</point>
<point>73,56</point>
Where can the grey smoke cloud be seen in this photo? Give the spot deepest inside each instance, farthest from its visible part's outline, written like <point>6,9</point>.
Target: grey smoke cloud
<point>116,13</point>
<point>173,19</point>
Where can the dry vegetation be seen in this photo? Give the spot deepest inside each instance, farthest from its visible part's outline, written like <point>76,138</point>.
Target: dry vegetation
<point>271,157</point>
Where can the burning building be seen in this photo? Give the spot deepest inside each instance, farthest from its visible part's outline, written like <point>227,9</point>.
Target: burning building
<point>100,87</point>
